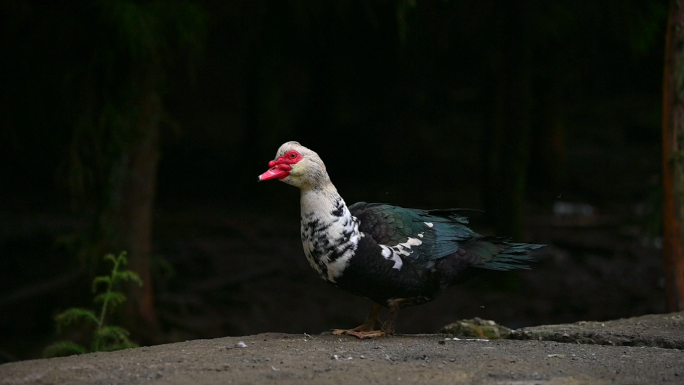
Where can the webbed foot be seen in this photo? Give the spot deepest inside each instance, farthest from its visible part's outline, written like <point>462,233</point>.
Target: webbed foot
<point>362,335</point>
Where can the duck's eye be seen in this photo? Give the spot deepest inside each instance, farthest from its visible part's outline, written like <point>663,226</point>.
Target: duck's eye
<point>293,155</point>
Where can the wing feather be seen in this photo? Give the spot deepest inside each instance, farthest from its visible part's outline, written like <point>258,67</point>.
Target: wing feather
<point>440,232</point>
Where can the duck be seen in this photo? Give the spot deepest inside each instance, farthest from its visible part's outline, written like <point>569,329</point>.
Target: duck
<point>391,255</point>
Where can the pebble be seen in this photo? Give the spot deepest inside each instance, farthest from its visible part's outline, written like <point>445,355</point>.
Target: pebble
<point>241,345</point>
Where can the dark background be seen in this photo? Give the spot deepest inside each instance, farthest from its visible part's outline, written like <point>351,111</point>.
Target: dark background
<point>428,104</point>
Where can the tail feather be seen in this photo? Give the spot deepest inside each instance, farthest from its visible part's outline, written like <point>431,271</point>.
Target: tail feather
<point>500,254</point>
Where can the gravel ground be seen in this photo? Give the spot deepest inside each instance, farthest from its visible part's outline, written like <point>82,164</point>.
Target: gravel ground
<point>412,359</point>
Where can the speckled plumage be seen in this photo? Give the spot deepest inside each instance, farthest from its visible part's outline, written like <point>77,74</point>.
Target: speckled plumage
<point>448,250</point>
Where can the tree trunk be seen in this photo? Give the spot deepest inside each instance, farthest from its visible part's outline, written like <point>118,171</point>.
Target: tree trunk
<point>673,158</point>
<point>126,221</point>
<point>138,203</point>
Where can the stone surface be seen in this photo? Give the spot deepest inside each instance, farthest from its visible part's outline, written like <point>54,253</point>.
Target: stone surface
<point>476,328</point>
<point>272,358</point>
<point>657,330</point>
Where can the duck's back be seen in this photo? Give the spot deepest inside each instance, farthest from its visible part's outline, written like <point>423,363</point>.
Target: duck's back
<point>413,254</point>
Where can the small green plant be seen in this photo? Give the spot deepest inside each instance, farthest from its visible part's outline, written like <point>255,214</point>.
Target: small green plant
<point>105,337</point>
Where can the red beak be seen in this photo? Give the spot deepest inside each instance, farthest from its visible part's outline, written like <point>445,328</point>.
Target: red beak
<point>280,168</point>
<point>277,171</point>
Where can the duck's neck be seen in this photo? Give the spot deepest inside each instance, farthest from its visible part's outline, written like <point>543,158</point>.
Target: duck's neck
<point>330,234</point>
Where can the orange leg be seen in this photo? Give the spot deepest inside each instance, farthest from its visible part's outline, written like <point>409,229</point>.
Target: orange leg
<point>367,330</point>
<point>388,326</point>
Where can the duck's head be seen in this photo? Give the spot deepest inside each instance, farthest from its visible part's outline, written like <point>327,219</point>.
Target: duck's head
<point>297,165</point>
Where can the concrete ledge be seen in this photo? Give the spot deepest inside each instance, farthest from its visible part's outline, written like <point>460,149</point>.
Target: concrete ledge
<point>274,358</point>
<point>657,330</point>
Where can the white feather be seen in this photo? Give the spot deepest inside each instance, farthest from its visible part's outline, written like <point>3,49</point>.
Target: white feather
<point>318,205</point>
<point>390,254</point>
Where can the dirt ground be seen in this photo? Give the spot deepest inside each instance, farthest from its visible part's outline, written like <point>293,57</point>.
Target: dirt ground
<point>275,358</point>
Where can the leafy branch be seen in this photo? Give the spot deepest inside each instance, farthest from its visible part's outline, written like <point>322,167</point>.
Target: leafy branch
<point>105,337</point>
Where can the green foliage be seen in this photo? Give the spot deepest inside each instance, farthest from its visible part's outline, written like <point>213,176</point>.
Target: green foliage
<point>73,316</point>
<point>114,298</point>
<point>128,275</point>
<point>104,337</point>
<point>109,338</point>
<point>98,280</point>
<point>63,348</point>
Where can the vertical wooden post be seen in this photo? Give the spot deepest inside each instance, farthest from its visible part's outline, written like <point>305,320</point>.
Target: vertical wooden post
<point>673,158</point>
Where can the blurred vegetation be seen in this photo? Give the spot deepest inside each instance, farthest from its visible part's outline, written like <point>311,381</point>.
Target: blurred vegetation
<point>109,60</point>
<point>105,336</point>
<point>353,80</point>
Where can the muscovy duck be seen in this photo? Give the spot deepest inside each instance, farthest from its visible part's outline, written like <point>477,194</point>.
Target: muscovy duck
<point>391,255</point>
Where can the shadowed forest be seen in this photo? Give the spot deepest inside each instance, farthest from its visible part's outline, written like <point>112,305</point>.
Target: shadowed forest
<point>143,125</point>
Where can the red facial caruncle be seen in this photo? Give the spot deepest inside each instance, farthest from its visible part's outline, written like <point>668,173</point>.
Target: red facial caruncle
<point>280,168</point>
